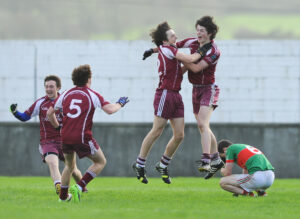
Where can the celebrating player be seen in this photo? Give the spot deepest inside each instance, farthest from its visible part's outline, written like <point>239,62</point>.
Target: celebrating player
<point>78,106</point>
<point>50,140</point>
<point>168,103</point>
<point>205,92</point>
<point>258,173</point>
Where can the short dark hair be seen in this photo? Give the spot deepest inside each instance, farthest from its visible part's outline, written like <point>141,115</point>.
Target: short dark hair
<point>53,78</point>
<point>81,75</point>
<point>209,24</point>
<point>223,144</point>
<point>159,34</point>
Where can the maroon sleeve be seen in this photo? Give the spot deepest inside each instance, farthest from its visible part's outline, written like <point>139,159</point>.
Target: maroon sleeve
<point>174,50</point>
<point>30,111</point>
<point>102,101</point>
<point>181,43</point>
<point>185,43</point>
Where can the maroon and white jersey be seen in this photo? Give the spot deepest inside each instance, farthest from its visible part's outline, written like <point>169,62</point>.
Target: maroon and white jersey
<point>78,106</point>
<point>40,108</point>
<point>169,70</point>
<point>207,76</point>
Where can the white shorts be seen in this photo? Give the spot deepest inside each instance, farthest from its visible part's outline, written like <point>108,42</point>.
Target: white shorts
<point>258,180</point>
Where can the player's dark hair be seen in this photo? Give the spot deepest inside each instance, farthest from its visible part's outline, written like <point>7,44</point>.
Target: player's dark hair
<point>81,75</point>
<point>223,144</point>
<point>159,34</point>
<point>53,78</point>
<point>209,24</point>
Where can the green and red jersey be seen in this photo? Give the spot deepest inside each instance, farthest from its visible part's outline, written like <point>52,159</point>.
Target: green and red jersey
<point>248,157</point>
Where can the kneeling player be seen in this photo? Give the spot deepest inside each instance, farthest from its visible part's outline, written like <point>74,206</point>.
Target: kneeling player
<point>258,173</point>
<point>50,140</point>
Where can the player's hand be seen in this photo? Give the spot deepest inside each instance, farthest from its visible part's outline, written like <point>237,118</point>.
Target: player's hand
<point>58,128</point>
<point>203,49</point>
<point>122,101</point>
<point>148,53</point>
<point>13,108</point>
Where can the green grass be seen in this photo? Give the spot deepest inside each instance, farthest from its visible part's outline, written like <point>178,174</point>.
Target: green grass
<point>34,197</point>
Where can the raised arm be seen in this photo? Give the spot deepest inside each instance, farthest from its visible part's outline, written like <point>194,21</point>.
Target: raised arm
<point>115,107</point>
<point>20,116</point>
<point>149,52</point>
<point>111,108</point>
<point>201,52</point>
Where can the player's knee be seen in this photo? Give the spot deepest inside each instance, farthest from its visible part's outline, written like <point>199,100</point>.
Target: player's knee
<point>99,165</point>
<point>101,162</point>
<point>156,132</point>
<point>202,126</point>
<point>70,167</point>
<point>222,183</point>
<point>104,161</point>
<point>178,137</point>
<point>52,163</point>
<point>75,170</point>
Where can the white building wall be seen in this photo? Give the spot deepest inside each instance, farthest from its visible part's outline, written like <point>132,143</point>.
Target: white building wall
<point>259,79</point>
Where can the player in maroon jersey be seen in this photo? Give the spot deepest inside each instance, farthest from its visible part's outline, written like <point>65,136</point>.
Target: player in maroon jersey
<point>78,106</point>
<point>168,103</point>
<point>50,140</point>
<point>205,92</point>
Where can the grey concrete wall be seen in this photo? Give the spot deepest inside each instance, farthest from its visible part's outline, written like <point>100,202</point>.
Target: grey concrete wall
<point>121,142</point>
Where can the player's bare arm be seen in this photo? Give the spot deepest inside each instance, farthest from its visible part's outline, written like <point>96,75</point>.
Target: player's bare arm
<point>111,108</point>
<point>52,118</point>
<point>196,68</point>
<point>115,107</point>
<point>201,52</point>
<point>180,56</point>
<point>187,58</point>
<point>227,170</point>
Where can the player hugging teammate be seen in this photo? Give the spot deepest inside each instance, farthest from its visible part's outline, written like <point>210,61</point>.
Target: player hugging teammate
<point>168,104</point>
<point>201,74</point>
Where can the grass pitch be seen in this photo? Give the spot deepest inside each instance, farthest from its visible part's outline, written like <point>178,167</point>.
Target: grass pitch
<point>34,197</point>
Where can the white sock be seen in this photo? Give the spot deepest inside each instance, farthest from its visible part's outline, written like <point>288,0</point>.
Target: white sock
<point>162,165</point>
<point>57,181</point>
<point>79,187</point>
